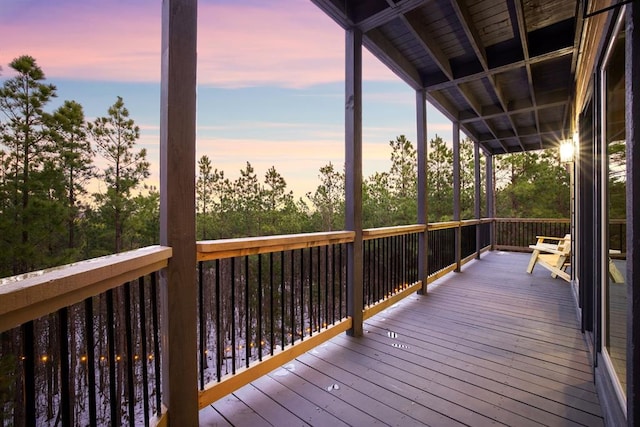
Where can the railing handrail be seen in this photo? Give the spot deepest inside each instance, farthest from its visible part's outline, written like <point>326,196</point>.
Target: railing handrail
<point>399,230</point>
<point>208,250</point>
<point>542,220</point>
<point>227,248</point>
<point>32,295</point>
<point>455,224</point>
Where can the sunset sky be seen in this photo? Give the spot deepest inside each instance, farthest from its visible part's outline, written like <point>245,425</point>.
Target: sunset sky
<point>270,79</point>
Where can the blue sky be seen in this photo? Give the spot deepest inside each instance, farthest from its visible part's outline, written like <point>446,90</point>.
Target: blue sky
<point>270,79</point>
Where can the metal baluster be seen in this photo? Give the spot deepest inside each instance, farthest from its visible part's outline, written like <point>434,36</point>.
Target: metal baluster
<point>259,339</point>
<point>387,281</point>
<point>319,292</point>
<point>247,316</point>
<point>29,369</point>
<point>376,269</point>
<point>156,342</point>
<point>143,350</point>
<point>292,288</point>
<point>129,358</point>
<point>91,360</point>
<point>302,274</point>
<point>283,341</point>
<point>271,308</point>
<point>201,320</point>
<point>113,400</point>
<point>326,286</point>
<point>219,332</point>
<point>340,282</point>
<point>365,274</point>
<point>65,389</point>
<point>311,307</point>
<point>333,284</point>
<point>233,315</point>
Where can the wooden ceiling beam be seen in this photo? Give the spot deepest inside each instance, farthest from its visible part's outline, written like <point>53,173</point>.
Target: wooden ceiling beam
<point>388,14</point>
<point>471,31</point>
<point>501,69</point>
<point>548,133</point>
<point>381,47</point>
<point>505,107</point>
<point>428,43</point>
<point>476,105</point>
<point>451,111</point>
<point>334,12</point>
<point>517,110</point>
<point>522,31</point>
<point>475,41</point>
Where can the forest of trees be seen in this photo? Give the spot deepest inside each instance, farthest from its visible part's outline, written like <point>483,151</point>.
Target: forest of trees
<point>49,214</point>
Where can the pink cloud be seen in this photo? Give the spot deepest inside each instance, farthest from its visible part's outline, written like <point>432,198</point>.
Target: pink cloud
<point>93,40</point>
<point>289,43</point>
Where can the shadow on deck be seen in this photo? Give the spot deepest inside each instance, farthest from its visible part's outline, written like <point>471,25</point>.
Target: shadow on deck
<point>490,345</point>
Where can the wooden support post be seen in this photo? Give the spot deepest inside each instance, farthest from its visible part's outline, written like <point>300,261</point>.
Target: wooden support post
<point>632,68</point>
<point>177,211</point>
<point>476,169</point>
<point>456,191</point>
<point>353,176</point>
<point>490,197</point>
<point>423,242</point>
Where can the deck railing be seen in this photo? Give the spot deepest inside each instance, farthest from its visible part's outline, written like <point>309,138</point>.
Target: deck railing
<point>81,344</point>
<point>265,300</point>
<point>454,243</point>
<point>516,234</point>
<point>391,260</point>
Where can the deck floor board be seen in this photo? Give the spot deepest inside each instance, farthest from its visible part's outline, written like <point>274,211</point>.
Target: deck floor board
<point>491,345</point>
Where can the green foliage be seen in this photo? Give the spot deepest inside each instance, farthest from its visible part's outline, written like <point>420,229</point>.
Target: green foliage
<point>616,151</point>
<point>532,185</point>
<point>46,164</point>
<point>278,206</point>
<point>28,210</point>
<point>390,198</point>
<point>246,206</point>
<point>376,194</point>
<point>115,136</point>
<point>144,221</point>
<point>328,199</point>
<point>467,180</point>
<point>440,180</point>
<point>74,160</point>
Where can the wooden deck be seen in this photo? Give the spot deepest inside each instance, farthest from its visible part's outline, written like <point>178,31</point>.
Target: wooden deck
<point>491,345</point>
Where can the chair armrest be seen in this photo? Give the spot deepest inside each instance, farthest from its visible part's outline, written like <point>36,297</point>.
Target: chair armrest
<point>547,249</point>
<point>558,239</point>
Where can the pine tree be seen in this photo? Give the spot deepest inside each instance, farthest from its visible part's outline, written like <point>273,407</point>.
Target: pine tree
<point>278,205</point>
<point>328,199</point>
<point>22,102</point>
<point>403,177</point>
<point>115,137</point>
<point>440,180</point>
<point>524,177</point>
<point>247,201</point>
<point>74,158</point>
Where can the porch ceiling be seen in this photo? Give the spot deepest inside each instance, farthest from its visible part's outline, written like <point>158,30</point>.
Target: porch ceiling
<point>504,69</point>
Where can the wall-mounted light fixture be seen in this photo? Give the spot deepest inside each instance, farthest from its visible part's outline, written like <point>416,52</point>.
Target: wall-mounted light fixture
<point>568,148</point>
<point>566,151</point>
